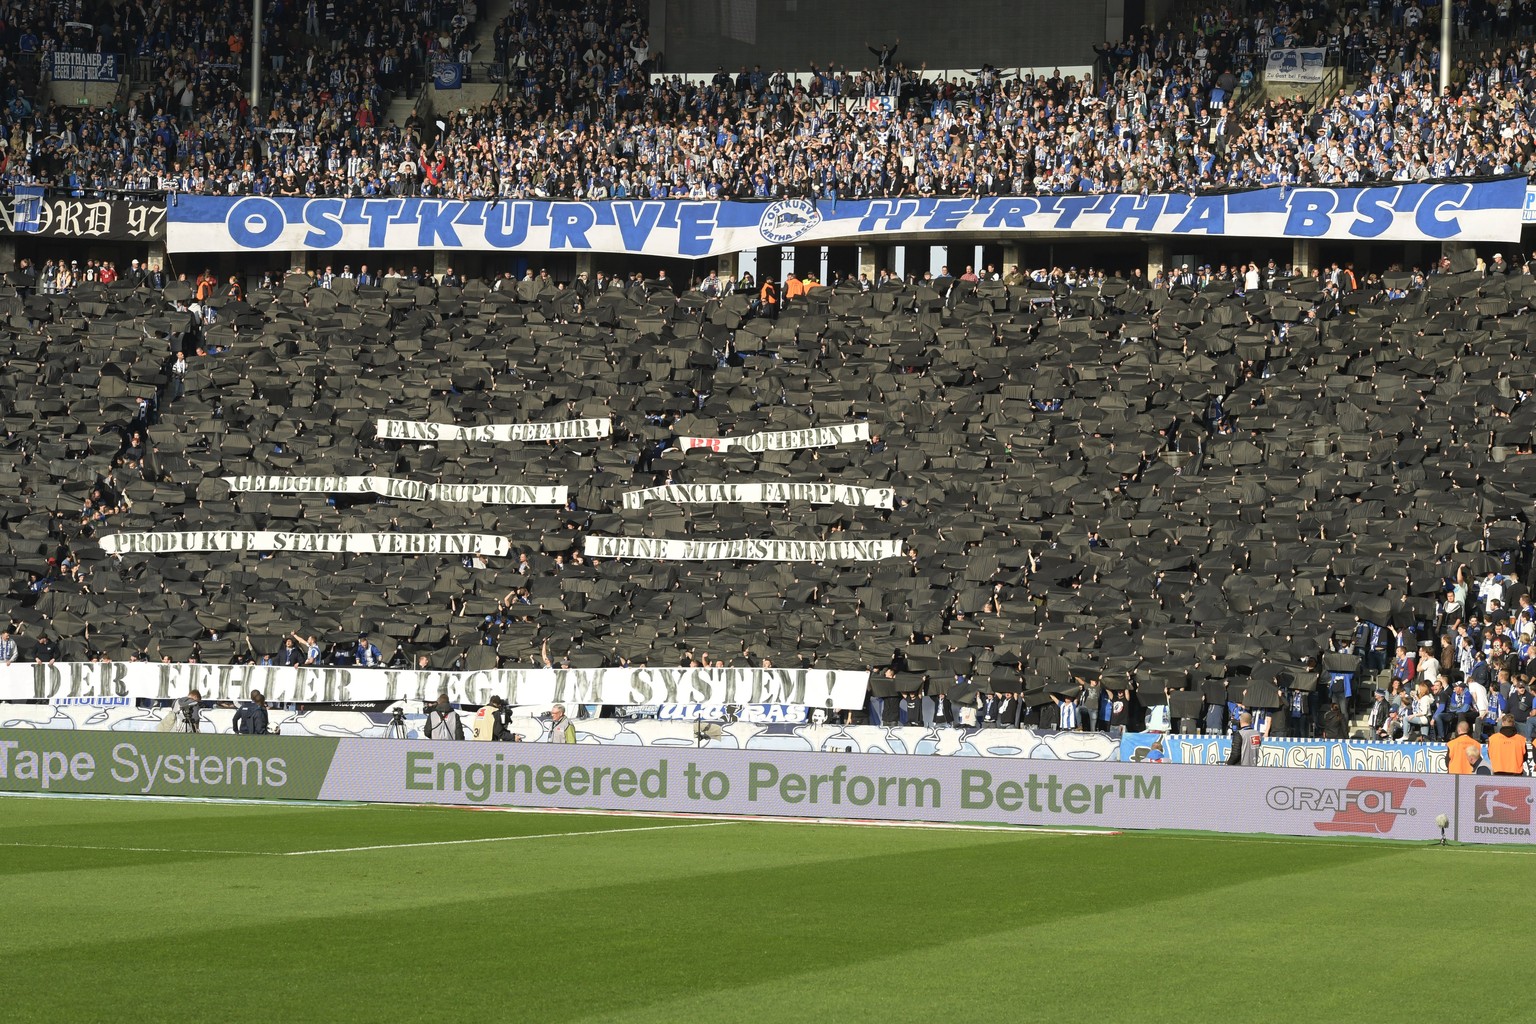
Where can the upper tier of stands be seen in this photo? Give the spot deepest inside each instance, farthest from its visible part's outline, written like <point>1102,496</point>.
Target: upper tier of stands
<point>586,112</point>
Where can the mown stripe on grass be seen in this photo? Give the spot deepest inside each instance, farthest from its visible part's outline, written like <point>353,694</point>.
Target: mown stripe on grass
<point>503,839</point>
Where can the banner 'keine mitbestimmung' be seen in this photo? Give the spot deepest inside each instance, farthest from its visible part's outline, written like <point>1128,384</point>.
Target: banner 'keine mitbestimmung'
<point>559,430</point>
<point>767,494</point>
<point>744,550</point>
<point>406,490</point>
<point>160,542</point>
<point>845,689</point>
<point>1409,212</point>
<point>780,440</point>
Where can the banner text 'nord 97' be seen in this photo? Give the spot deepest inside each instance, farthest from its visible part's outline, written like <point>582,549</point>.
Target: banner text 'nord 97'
<point>1409,212</point>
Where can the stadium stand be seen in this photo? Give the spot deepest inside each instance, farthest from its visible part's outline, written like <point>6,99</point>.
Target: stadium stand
<point>587,114</point>
<point>1249,470</point>
<point>1236,474</point>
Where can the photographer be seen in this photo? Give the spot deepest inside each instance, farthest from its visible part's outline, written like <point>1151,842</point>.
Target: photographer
<point>251,717</point>
<point>491,723</point>
<point>189,712</point>
<point>443,723</point>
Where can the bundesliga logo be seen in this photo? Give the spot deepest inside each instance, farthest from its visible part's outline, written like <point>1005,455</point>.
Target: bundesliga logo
<point>1502,810</point>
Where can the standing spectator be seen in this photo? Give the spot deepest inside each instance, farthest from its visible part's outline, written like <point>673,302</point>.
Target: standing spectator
<point>1508,750</point>
<point>1463,754</point>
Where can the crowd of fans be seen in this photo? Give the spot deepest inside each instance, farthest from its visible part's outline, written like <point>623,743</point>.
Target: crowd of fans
<point>586,113</point>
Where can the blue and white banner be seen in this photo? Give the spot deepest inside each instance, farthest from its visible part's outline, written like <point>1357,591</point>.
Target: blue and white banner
<point>1449,211</point>
<point>1355,755</point>
<point>85,67</point>
<point>792,714</point>
<point>448,74</point>
<point>27,205</point>
<point>1298,66</point>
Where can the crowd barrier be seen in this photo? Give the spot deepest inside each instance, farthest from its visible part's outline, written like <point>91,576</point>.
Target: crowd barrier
<point>800,784</point>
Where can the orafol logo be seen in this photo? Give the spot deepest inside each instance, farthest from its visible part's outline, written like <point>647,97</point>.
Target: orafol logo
<point>1369,804</point>
<point>1502,805</point>
<point>787,220</point>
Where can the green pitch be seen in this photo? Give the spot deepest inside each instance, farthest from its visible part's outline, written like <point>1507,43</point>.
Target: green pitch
<point>157,911</point>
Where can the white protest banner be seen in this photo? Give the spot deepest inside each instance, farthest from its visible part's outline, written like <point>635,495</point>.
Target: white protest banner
<point>153,543</point>
<point>772,493</point>
<point>407,490</point>
<point>160,681</point>
<point>748,549</point>
<point>560,430</point>
<point>780,440</point>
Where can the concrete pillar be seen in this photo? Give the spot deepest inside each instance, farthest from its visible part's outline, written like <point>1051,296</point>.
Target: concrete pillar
<point>1304,256</point>
<point>442,260</point>
<point>822,275</point>
<point>728,265</point>
<point>977,261</point>
<point>7,255</point>
<point>746,263</point>
<point>869,261</point>
<point>1157,259</point>
<point>156,258</point>
<point>786,261</point>
<point>298,262</point>
<point>899,261</point>
<point>1013,256</point>
<point>1452,249</point>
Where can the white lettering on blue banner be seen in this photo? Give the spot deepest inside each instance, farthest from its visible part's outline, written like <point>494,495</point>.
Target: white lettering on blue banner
<point>757,714</point>
<point>1409,212</point>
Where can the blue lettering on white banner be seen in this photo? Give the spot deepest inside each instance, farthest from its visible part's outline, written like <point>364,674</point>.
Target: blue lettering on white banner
<point>1354,755</point>
<point>1411,212</point>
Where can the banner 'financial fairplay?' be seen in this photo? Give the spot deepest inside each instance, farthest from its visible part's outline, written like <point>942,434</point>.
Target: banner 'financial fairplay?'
<point>1409,212</point>
<point>280,685</point>
<point>765,494</point>
<point>404,490</point>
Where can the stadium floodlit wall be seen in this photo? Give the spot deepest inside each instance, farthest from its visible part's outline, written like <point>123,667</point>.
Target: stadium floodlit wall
<point>701,35</point>
<point>1300,802</point>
